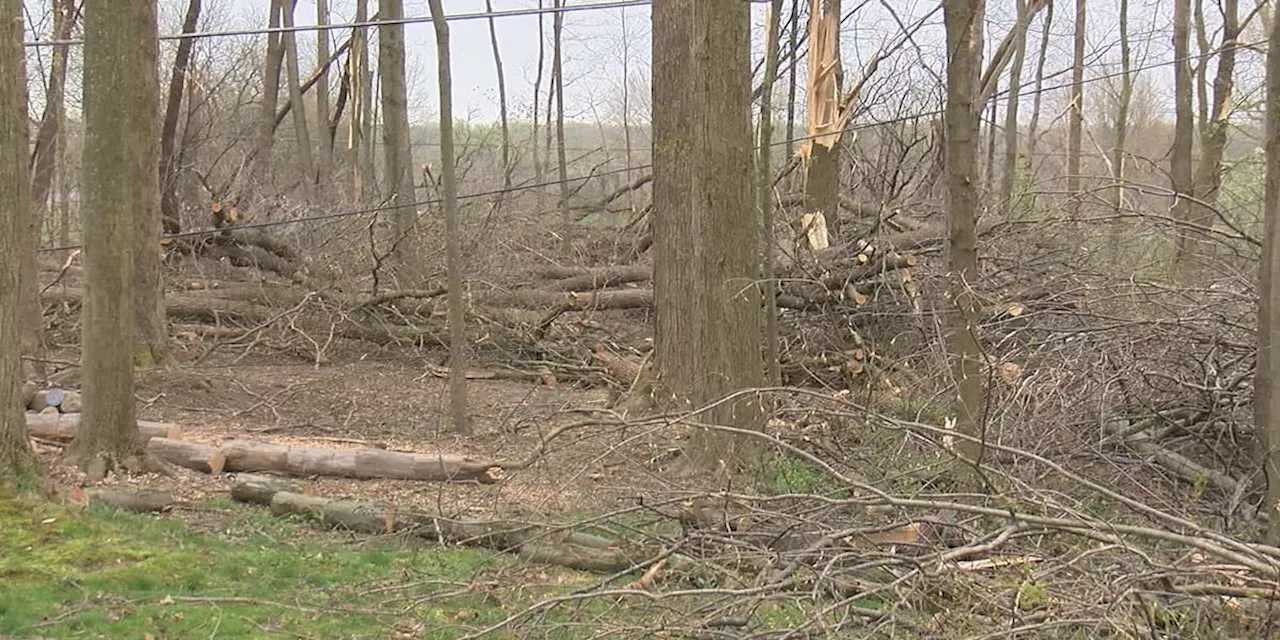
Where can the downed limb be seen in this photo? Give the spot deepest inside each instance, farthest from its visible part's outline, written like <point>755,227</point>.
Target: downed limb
<point>135,500</point>
<point>364,464</point>
<point>537,543</point>
<point>62,427</point>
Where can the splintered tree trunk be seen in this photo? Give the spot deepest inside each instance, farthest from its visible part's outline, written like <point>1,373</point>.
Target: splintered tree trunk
<point>961,321</point>
<point>557,76</point>
<point>1075,124</point>
<point>764,194</point>
<point>453,235</point>
<point>306,163</point>
<point>266,133</point>
<point>169,206</point>
<point>502,97</point>
<point>822,170</point>
<point>120,90</point>
<point>395,138</point>
<point>1267,401</point>
<point>705,251</point>
<point>16,458</point>
<point>1213,142</point>
<point>1184,119</point>
<point>140,90</point>
<point>324,149</point>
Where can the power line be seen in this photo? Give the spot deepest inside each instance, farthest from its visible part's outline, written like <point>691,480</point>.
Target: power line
<point>479,15</point>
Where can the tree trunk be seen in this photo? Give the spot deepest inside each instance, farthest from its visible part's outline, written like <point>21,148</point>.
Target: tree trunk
<point>1213,141</point>
<point>502,97</point>
<point>1009,172</point>
<point>1033,129</point>
<point>261,174</point>
<point>358,134</point>
<point>1075,124</point>
<point>306,163</point>
<point>1267,401</point>
<point>557,76</point>
<point>1180,156</point>
<point>170,207</point>
<point>49,130</point>
<point>822,169</point>
<point>458,355</point>
<point>1118,157</point>
<point>961,321</point>
<point>395,137</point>
<point>538,169</point>
<point>141,94</point>
<point>705,253</point>
<point>324,159</point>
<point>793,49</point>
<point>764,195</point>
<point>17,461</point>
<point>120,111</point>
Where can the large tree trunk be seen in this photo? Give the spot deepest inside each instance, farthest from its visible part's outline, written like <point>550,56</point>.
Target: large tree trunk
<point>170,207</point>
<point>358,134</point>
<point>1213,140</point>
<point>395,137</point>
<point>764,195</point>
<point>266,134</point>
<point>502,97</point>
<point>1267,401</point>
<point>961,321</point>
<point>1075,124</point>
<point>16,458</point>
<point>453,235</point>
<point>120,149</point>
<point>302,133</point>
<point>708,309</point>
<point>1180,170</point>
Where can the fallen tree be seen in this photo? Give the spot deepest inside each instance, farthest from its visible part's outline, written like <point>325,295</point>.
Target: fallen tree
<point>62,427</point>
<point>533,542</point>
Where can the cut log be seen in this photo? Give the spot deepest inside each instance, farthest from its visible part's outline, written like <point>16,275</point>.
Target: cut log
<point>363,464</point>
<point>532,542</point>
<point>252,488</point>
<point>135,500</point>
<point>62,427</point>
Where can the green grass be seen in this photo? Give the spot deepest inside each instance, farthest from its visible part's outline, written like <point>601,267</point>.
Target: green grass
<point>101,573</point>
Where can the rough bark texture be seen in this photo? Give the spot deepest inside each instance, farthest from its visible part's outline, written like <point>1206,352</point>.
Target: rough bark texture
<point>708,309</point>
<point>1267,401</point>
<point>169,204</point>
<point>139,88</point>
<point>395,139</point>
<point>1180,168</point>
<point>119,155</point>
<point>962,198</point>
<point>458,344</point>
<point>1075,123</point>
<point>764,195</point>
<point>16,457</point>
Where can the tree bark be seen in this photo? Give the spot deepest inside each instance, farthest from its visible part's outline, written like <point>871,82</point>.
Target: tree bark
<point>120,105</point>
<point>557,76</point>
<point>358,135</point>
<point>1075,124</point>
<point>538,168</point>
<point>141,94</point>
<point>306,161</point>
<point>1267,401</point>
<point>708,309</point>
<point>266,135</point>
<point>1180,168</point>
<point>17,461</point>
<point>764,195</point>
<point>49,131</point>
<point>458,345</point>
<point>1009,173</point>
<point>324,158</point>
<point>1213,140</point>
<point>1033,129</point>
<point>822,169</point>
<point>961,321</point>
<point>395,137</point>
<point>507,168</point>
<point>170,207</point>
<point>793,48</point>
<point>1118,155</point>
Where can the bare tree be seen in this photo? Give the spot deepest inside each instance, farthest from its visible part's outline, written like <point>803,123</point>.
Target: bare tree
<point>395,138</point>
<point>1009,173</point>
<point>793,50</point>
<point>502,97</point>
<point>359,153</point>
<point>17,461</point>
<point>142,94</point>
<point>705,252</point>
<point>538,164</point>
<point>1267,401</point>
<point>764,194</point>
<point>1033,129</point>
<point>266,132</point>
<point>557,79</point>
<point>453,235</point>
<point>1118,155</point>
<point>1180,169</point>
<point>961,322</point>
<point>1075,124</point>
<point>1213,138</point>
<point>169,206</point>
<point>323,158</point>
<point>120,153</point>
<point>306,162</point>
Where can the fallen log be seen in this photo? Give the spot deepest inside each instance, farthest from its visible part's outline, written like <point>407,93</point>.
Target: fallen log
<point>62,427</point>
<point>135,500</point>
<point>362,464</point>
<point>533,542</point>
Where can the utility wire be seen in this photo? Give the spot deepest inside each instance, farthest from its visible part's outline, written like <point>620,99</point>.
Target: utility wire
<point>478,15</point>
